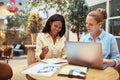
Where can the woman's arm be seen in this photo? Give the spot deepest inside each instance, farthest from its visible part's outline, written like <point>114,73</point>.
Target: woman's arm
<point>38,50</point>
<point>114,54</point>
<point>44,52</point>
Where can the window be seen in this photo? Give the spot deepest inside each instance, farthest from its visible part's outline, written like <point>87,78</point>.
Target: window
<point>114,8</point>
<point>115,26</point>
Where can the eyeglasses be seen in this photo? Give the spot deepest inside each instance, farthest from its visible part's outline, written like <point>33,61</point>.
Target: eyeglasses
<point>46,69</point>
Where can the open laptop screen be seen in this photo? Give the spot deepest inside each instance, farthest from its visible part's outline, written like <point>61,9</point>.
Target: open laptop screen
<point>84,53</point>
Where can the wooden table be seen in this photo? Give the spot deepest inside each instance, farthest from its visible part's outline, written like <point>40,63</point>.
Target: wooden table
<point>92,74</point>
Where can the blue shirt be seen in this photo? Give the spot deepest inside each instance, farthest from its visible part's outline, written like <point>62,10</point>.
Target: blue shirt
<point>109,45</point>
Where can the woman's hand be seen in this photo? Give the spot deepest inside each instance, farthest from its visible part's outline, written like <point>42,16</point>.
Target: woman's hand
<point>109,62</point>
<point>44,52</point>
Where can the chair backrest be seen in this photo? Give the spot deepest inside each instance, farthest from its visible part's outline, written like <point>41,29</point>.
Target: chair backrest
<point>7,51</point>
<point>118,69</point>
<point>5,71</point>
<point>31,56</point>
<point>0,53</point>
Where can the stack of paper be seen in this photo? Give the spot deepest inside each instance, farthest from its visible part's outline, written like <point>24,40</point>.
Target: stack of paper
<point>73,71</point>
<point>55,60</point>
<point>42,69</point>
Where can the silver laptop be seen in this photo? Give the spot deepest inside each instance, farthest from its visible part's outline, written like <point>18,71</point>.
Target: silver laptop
<point>87,54</point>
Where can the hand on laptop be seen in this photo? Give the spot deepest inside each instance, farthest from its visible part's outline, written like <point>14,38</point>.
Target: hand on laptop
<point>109,62</point>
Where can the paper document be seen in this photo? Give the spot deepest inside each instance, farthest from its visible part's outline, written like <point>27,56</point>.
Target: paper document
<point>42,69</point>
<point>54,60</point>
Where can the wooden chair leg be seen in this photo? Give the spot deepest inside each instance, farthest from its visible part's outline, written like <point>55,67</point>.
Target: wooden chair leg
<point>11,55</point>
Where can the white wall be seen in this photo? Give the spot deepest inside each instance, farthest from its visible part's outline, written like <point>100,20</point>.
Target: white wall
<point>72,36</point>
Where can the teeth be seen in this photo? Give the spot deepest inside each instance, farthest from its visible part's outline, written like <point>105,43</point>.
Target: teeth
<point>55,31</point>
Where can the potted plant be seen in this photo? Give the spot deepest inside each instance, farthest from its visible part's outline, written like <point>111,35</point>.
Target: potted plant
<point>34,26</point>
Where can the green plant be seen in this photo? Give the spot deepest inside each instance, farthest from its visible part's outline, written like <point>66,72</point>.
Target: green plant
<point>77,14</point>
<point>34,23</point>
<point>23,35</point>
<point>15,22</point>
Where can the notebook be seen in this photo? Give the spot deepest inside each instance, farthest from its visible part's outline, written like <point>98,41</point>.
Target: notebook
<point>73,71</point>
<point>87,54</point>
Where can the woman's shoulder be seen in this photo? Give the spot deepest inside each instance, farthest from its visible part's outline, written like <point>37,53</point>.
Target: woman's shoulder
<point>40,34</point>
<point>61,38</point>
<point>85,36</point>
<point>109,35</point>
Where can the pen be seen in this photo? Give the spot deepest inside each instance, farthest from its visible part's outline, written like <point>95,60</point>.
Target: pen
<point>79,71</point>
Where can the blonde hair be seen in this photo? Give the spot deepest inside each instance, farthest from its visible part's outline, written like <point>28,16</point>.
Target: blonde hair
<point>99,14</point>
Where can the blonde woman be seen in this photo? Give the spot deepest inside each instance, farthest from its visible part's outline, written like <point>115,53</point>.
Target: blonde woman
<point>94,21</point>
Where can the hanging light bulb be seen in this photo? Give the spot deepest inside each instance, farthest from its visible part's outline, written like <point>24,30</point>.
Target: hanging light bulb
<point>11,6</point>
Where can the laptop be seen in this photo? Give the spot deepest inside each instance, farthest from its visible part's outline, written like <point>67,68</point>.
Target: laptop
<point>87,54</point>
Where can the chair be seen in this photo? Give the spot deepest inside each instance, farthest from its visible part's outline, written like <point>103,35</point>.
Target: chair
<point>18,50</point>
<point>30,59</point>
<point>118,69</point>
<point>7,53</point>
<point>6,72</point>
<point>31,56</point>
<point>1,53</point>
